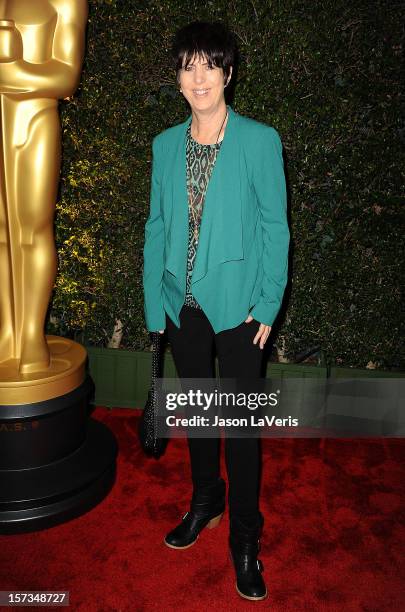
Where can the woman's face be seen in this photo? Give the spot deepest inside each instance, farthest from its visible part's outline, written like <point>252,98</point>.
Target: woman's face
<point>202,86</point>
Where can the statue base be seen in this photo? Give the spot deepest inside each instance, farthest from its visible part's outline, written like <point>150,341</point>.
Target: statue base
<point>66,371</point>
<point>56,463</point>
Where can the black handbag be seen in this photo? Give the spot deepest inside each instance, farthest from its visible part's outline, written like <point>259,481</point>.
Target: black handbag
<point>152,444</point>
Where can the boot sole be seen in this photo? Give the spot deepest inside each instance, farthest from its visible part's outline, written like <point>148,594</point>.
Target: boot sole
<point>251,598</point>
<point>180,547</point>
<point>214,522</point>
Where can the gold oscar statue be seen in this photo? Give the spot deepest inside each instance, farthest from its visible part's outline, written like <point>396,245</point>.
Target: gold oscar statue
<point>41,54</point>
<point>56,462</point>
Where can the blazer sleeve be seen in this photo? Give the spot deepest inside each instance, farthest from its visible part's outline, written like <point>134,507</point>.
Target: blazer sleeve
<point>153,252</point>
<point>270,187</point>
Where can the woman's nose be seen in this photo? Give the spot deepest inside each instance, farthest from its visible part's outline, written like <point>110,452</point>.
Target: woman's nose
<point>199,75</point>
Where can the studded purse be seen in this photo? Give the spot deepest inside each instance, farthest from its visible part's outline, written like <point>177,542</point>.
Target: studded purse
<point>151,443</point>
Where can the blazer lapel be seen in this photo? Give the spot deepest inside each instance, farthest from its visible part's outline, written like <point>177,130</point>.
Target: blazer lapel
<point>177,204</point>
<point>220,236</point>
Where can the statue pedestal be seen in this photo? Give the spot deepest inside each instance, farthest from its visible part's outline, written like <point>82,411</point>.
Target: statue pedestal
<point>55,462</point>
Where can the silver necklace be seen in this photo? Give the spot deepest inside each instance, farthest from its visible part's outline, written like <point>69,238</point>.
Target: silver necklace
<point>226,114</point>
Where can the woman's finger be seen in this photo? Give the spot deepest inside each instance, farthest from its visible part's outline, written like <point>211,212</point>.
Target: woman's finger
<point>262,334</point>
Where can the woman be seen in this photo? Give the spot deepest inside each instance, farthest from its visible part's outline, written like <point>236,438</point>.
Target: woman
<point>227,292</point>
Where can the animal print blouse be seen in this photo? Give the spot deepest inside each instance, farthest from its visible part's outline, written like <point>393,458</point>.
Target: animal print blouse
<point>200,162</point>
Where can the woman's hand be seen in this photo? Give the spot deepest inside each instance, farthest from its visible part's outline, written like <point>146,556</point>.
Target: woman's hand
<point>262,334</point>
<point>161,331</point>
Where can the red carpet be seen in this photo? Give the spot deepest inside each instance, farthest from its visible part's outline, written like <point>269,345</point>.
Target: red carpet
<point>334,536</point>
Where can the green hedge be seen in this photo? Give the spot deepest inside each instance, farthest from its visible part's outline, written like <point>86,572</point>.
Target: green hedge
<point>326,76</point>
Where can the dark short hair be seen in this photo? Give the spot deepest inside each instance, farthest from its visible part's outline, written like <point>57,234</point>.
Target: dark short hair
<point>210,39</point>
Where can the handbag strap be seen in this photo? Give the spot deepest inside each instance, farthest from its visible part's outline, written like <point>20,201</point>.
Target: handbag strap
<point>156,356</point>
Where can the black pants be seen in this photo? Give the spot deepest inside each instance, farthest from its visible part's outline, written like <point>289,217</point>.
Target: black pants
<point>192,348</point>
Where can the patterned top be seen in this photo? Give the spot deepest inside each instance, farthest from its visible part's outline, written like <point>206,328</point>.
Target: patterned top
<point>200,162</point>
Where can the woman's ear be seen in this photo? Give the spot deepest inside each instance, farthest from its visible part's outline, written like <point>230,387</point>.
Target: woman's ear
<point>227,79</point>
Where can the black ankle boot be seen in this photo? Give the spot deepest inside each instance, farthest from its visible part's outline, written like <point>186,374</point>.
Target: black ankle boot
<point>244,547</point>
<point>206,510</point>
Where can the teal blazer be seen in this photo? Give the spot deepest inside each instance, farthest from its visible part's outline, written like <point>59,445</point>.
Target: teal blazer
<point>241,262</point>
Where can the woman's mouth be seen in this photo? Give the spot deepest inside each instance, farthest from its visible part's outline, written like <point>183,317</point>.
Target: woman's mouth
<point>200,92</point>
